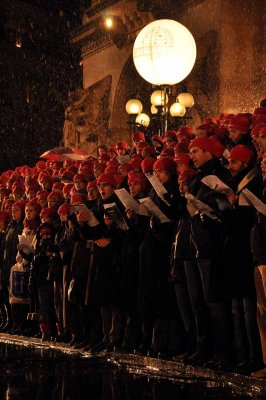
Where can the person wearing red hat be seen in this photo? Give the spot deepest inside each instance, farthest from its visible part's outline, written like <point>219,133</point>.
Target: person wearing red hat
<point>41,197</point>
<point>239,262</point>
<point>13,317</point>
<point>206,273</point>
<point>185,132</point>
<point>137,183</point>
<point>138,137</point>
<point>147,165</point>
<point>32,217</point>
<point>93,193</point>
<point>98,169</point>
<point>239,127</point>
<point>66,191</point>
<point>170,137</point>
<point>204,130</point>
<point>80,183</point>
<point>183,162</point>
<point>54,200</point>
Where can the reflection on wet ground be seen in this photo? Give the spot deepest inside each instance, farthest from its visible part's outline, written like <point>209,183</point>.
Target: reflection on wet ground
<point>46,373</point>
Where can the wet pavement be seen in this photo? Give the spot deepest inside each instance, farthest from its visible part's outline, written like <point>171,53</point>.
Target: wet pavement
<point>31,369</point>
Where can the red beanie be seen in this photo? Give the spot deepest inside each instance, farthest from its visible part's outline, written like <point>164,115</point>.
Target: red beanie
<point>262,131</point>
<point>210,120</point>
<point>170,134</point>
<point>33,203</point>
<point>147,165</point>
<point>134,177</point>
<point>165,163</point>
<point>203,143</point>
<point>55,195</point>
<point>158,138</point>
<point>79,177</point>
<point>242,153</point>
<point>169,152</point>
<point>186,176</point>
<point>136,163</point>
<point>219,147</point>
<point>92,184</point>
<point>149,151</point>
<point>122,145</point>
<point>240,123</point>
<point>47,212</point>
<point>58,185</point>
<point>42,194</point>
<point>142,145</point>
<point>128,167</point>
<point>182,158</point>
<point>185,131</point>
<point>256,130</point>
<point>111,169</point>
<point>107,178</point>
<point>209,129</point>
<point>64,209</point>
<point>21,204</point>
<point>182,145</point>
<point>138,135</point>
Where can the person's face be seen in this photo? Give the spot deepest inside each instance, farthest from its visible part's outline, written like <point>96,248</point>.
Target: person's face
<point>235,135</point>
<point>169,140</point>
<point>52,203</point>
<point>79,185</point>
<point>135,188</point>
<point>45,185</point>
<point>16,213</point>
<point>263,169</point>
<point>63,217</point>
<point>262,143</point>
<point>162,175</point>
<point>93,193</point>
<point>42,202</point>
<point>97,171</point>
<point>121,152</point>
<point>31,195</point>
<point>45,218</point>
<point>180,167</point>
<point>183,188</point>
<point>235,166</point>
<point>156,143</point>
<point>105,190</point>
<point>30,213</point>
<point>199,156</point>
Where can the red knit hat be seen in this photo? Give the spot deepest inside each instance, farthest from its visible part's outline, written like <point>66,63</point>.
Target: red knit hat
<point>170,134</point>
<point>134,177</point>
<point>57,196</point>
<point>122,146</point>
<point>58,185</point>
<point>64,209</point>
<point>138,135</point>
<point>111,169</point>
<point>182,145</point>
<point>136,163</point>
<point>127,166</point>
<point>158,138</point>
<point>79,177</point>
<point>240,123</point>
<point>165,163</point>
<point>21,204</point>
<point>107,178</point>
<point>147,165</point>
<point>186,176</point>
<point>142,145</point>
<point>209,129</point>
<point>182,158</point>
<point>67,188</point>
<point>256,130</point>
<point>92,184</point>
<point>203,143</point>
<point>47,212</point>
<point>42,194</point>
<point>242,153</point>
<point>262,131</point>
<point>219,147</point>
<point>149,151</point>
<point>169,152</point>
<point>185,130</point>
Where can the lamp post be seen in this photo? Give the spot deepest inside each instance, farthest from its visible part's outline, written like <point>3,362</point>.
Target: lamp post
<point>133,108</point>
<point>164,54</point>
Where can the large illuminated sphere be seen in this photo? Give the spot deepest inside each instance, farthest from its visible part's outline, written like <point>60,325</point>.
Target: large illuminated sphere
<point>143,119</point>
<point>177,110</point>
<point>164,52</point>
<point>134,106</point>
<point>186,99</point>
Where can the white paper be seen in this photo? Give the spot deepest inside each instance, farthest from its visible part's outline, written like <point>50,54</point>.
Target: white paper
<point>154,209</point>
<point>116,216</point>
<point>216,184</point>
<point>158,187</point>
<point>82,208</point>
<point>123,159</point>
<point>200,206</point>
<point>254,201</point>
<point>127,200</point>
<point>27,243</point>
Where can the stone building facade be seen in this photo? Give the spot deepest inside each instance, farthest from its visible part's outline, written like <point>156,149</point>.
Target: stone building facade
<point>228,76</point>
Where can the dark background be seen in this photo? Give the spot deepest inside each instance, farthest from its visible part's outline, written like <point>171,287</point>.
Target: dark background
<point>35,79</point>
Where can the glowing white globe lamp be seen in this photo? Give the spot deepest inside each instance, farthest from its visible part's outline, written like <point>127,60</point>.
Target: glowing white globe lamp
<point>164,52</point>
<point>143,119</point>
<point>154,110</point>
<point>159,98</point>
<point>186,99</point>
<point>177,110</point>
<point>134,106</point>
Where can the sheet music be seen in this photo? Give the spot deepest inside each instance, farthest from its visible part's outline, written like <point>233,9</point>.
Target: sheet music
<point>82,208</point>
<point>216,184</point>
<point>254,201</point>
<point>158,187</point>
<point>116,216</point>
<point>154,209</point>
<point>200,206</point>
<point>127,200</point>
